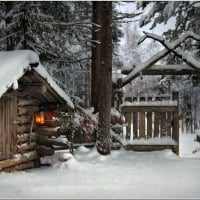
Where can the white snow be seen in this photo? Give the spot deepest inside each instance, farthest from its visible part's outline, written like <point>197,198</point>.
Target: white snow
<point>149,103</point>
<point>121,175</point>
<point>169,46</point>
<point>151,141</point>
<point>13,66</point>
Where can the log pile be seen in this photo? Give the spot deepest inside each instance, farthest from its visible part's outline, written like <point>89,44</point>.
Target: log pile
<point>21,161</point>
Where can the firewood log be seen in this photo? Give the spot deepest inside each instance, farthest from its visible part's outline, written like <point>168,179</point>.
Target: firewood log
<point>32,155</point>
<point>23,166</point>
<point>25,128</point>
<point>27,102</point>
<point>25,147</point>
<point>32,137</point>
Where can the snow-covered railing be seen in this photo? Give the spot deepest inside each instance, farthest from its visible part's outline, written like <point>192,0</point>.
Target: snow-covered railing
<point>150,118</point>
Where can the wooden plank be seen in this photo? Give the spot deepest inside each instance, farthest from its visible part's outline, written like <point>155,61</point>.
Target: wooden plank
<point>141,120</point>
<point>170,69</point>
<point>7,129</point>
<point>141,124</point>
<point>14,127</point>
<point>149,124</point>
<point>26,147</point>
<point>15,161</point>
<point>33,88</point>
<point>22,166</point>
<point>149,121</point>
<point>149,147</point>
<point>25,138</point>
<point>156,124</point>
<point>128,127</point>
<point>175,134</point>
<point>26,128</point>
<point>169,124</point>
<point>148,108</point>
<point>135,125</point>
<point>27,102</point>
<point>163,126</point>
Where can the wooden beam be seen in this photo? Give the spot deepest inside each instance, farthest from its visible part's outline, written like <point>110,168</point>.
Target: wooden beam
<point>27,137</point>
<point>15,161</point>
<point>33,88</point>
<point>26,147</point>
<point>128,109</point>
<point>182,69</point>
<point>23,166</point>
<point>150,147</point>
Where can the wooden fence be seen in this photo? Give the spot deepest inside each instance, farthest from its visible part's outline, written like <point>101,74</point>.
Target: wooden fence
<point>155,121</point>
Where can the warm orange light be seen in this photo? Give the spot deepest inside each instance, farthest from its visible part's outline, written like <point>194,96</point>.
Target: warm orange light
<point>39,118</point>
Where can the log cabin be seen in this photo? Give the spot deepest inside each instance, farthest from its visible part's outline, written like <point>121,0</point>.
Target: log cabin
<point>28,101</point>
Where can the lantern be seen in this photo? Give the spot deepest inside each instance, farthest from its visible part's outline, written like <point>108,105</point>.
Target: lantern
<point>39,117</point>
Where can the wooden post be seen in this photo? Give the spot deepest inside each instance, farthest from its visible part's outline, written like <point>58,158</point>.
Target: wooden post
<point>175,134</point>
<point>149,122</point>
<point>157,121</point>
<point>142,121</point>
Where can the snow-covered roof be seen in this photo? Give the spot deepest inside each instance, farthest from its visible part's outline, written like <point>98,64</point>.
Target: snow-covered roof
<point>14,64</point>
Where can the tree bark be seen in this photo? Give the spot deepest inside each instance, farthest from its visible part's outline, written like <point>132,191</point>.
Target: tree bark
<point>96,54</point>
<point>103,83</point>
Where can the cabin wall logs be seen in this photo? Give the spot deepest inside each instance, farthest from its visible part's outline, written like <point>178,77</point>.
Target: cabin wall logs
<point>25,142</point>
<point>24,154</point>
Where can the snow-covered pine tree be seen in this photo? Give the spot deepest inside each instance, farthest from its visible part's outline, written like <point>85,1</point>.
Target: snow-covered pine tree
<point>57,31</point>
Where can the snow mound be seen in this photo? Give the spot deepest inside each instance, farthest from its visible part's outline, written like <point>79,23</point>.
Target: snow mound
<point>60,159</point>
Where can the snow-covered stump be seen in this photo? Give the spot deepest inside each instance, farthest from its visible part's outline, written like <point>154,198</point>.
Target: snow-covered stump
<point>153,122</point>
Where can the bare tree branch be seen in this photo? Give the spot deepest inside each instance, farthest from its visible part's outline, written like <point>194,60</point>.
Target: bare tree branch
<point>188,59</point>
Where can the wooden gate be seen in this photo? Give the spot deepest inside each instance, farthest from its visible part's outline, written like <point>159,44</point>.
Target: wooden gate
<point>151,123</point>
<point>7,126</point>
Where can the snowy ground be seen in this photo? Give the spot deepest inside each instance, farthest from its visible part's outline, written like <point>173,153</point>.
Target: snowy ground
<point>123,174</point>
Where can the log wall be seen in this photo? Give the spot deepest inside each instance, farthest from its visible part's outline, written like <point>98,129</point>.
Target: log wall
<point>18,133</point>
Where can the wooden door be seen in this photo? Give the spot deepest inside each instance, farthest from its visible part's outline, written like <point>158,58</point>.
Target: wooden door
<point>8,114</point>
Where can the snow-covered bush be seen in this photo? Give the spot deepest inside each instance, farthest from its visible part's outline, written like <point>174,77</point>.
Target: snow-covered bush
<point>79,126</point>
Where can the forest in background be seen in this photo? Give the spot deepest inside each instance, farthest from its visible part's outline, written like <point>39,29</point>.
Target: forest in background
<point>61,33</point>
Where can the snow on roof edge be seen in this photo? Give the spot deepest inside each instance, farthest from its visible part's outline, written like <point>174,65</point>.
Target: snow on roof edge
<point>14,64</point>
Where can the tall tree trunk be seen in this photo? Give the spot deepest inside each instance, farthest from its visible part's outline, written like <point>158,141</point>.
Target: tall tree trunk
<point>103,76</point>
<point>96,53</point>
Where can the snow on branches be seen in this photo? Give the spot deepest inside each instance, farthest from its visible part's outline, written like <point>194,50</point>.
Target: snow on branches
<point>169,47</point>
